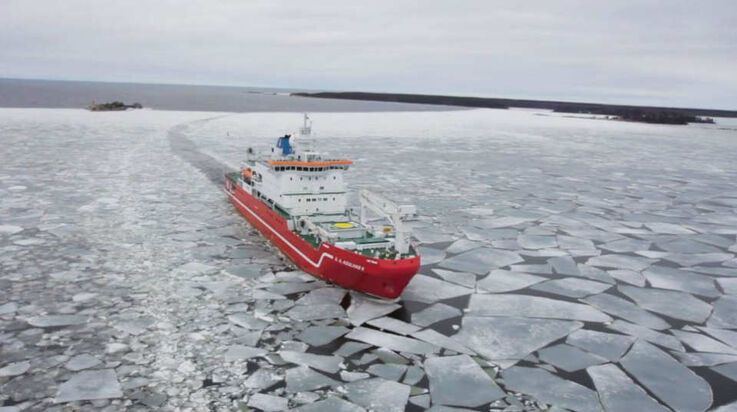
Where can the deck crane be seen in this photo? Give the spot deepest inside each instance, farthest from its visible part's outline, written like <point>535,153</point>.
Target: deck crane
<point>385,208</point>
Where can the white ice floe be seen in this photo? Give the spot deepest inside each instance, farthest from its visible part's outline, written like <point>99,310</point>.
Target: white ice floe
<point>363,308</point>
<point>316,312</point>
<point>321,335</point>
<point>506,340</point>
<point>647,334</point>
<point>10,229</point>
<point>572,287</point>
<point>703,343</point>
<point>379,394</point>
<point>460,381</point>
<point>302,379</point>
<point>669,229</point>
<point>248,321</point>
<point>15,369</point>
<point>729,370</point>
<point>331,404</point>
<point>626,245</point>
<point>83,361</point>
<point>551,389</point>
<point>325,363</point>
<point>394,325</point>
<point>625,309</point>
<point>628,276</point>
<point>391,371</point>
<point>610,346</point>
<point>536,241</point>
<point>90,385</point>
<point>462,245</point>
<point>569,358</point>
<point>459,278</point>
<point>674,384</point>
<point>390,341</point>
<point>427,289</point>
<point>438,339</point>
<point>500,280</point>
<point>695,259</point>
<point>241,352</point>
<point>50,321</point>
<point>618,393</point>
<point>481,260</point>
<point>435,313</point>
<point>533,307</point>
<point>635,263</point>
<point>268,403</point>
<point>430,256</point>
<point>725,313</point>
<point>675,304</point>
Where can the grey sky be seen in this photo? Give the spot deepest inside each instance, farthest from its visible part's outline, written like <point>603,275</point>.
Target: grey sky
<point>680,53</point>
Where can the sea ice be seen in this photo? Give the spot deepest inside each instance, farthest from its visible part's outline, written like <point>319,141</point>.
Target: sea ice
<point>702,343</point>
<point>674,384</point>
<point>575,243</point>
<point>379,394</point>
<point>505,340</point>
<point>15,369</point>
<point>240,352</point>
<point>363,308</point>
<point>427,289</point>
<point>394,325</point>
<point>390,341</point>
<point>647,334</point>
<point>322,296</point>
<point>670,303</point>
<point>303,379</point>
<point>440,340</point>
<point>392,372</point>
<point>481,260</point>
<point>459,278</point>
<point>462,245</point>
<point>610,346</point>
<point>7,308</point>
<point>626,245</point>
<point>321,335</point>
<point>460,381</point>
<point>430,255</point>
<point>316,312</point>
<point>248,321</point>
<point>618,393</point>
<point>533,307</point>
<point>50,321</point>
<point>728,370</point>
<point>728,285</point>
<point>330,364</point>
<point>628,276</point>
<point>564,265</point>
<point>264,402</point>
<point>331,404</point>
<point>635,263</point>
<point>536,241</point>
<point>80,362</point>
<point>262,379</point>
<point>727,336</point>
<point>572,287</point>
<point>569,358</point>
<point>694,259</point>
<point>669,229</point>
<point>435,313</point>
<point>10,229</point>
<point>500,280</point>
<point>625,309</point>
<point>698,359</point>
<point>725,313</point>
<point>551,389</point>
<point>89,385</point>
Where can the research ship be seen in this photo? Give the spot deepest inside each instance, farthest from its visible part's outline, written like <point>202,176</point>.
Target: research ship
<point>296,198</point>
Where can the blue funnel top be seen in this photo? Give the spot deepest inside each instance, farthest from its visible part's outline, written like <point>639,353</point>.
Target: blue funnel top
<point>283,143</point>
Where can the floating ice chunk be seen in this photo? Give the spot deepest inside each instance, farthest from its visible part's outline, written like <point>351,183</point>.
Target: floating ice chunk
<point>196,268</point>
<point>697,359</point>
<point>462,245</point>
<point>506,340</point>
<point>551,389</point>
<point>624,309</point>
<point>575,243</point>
<point>694,259</point>
<point>391,372</point>
<point>478,211</point>
<point>500,280</point>
<point>440,340</point>
<point>414,374</point>
<point>262,378</point>
<point>423,401</point>
<point>569,358</point>
<point>316,312</point>
<point>349,348</point>
<point>321,335</point>
<point>379,394</point>
<point>459,381</point>
<point>303,379</point>
<point>635,263</point>
<point>331,404</point>
<point>394,325</point>
<point>725,313</point>
<point>248,321</point>
<point>669,229</point>
<point>322,296</point>
<point>353,376</point>
<point>15,369</point>
<point>430,256</point>
<point>618,393</point>
<point>330,364</point>
<point>459,278</point>
<point>266,402</point>
<point>628,276</point>
<point>702,343</point>
<point>727,336</point>
<point>435,313</point>
<point>427,235</point>
<point>687,246</point>
<point>610,346</point>
<point>89,385</point>
<point>52,321</point>
<point>363,308</point>
<point>505,221</point>
<point>10,229</point>
<point>241,352</point>
<point>135,326</point>
<point>730,407</point>
<point>545,269</point>
<point>80,362</point>
<point>591,272</point>
<point>427,289</point>
<point>290,288</point>
<point>626,245</point>
<point>728,285</point>
<point>674,384</point>
<point>533,307</point>
<point>536,241</point>
<point>729,370</point>
<point>10,307</point>
<point>572,287</point>
<point>481,260</point>
<point>670,303</point>
<point>652,254</point>
<point>390,341</point>
<point>564,265</point>
<point>647,334</point>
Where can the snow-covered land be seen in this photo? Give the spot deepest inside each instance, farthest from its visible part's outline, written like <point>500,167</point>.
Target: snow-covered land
<point>570,263</point>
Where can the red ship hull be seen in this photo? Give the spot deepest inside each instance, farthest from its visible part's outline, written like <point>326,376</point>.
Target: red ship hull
<point>385,278</point>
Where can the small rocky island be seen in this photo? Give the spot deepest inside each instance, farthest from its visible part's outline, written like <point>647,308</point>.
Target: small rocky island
<point>112,106</point>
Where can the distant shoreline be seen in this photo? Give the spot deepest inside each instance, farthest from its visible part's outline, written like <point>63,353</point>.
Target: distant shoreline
<point>645,114</point>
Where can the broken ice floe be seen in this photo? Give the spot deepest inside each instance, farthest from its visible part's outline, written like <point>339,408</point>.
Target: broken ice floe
<point>619,393</point>
<point>459,381</point>
<point>533,307</point>
<point>551,389</point>
<point>87,385</point>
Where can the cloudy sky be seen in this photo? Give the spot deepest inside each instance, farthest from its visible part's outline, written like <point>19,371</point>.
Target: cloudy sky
<point>669,52</point>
